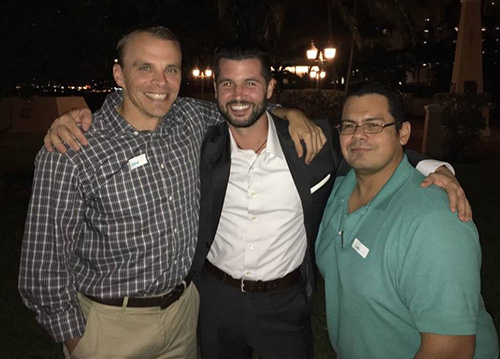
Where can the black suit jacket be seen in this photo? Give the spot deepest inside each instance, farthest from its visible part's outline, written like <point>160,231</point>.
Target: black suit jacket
<point>214,173</point>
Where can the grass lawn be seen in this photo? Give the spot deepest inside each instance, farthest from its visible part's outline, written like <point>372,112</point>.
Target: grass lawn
<point>21,337</point>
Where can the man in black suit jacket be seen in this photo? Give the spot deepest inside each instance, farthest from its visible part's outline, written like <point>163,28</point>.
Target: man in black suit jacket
<point>255,291</point>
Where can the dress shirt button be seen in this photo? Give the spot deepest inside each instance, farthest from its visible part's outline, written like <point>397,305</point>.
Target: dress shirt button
<point>170,198</point>
<point>175,230</point>
<point>253,193</point>
<point>136,133</point>
<point>252,217</point>
<point>162,166</point>
<point>251,246</point>
<point>247,272</point>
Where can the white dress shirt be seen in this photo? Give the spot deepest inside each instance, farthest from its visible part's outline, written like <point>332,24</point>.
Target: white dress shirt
<point>261,233</point>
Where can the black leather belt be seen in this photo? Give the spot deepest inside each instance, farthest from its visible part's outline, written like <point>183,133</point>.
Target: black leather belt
<point>257,286</point>
<point>162,301</point>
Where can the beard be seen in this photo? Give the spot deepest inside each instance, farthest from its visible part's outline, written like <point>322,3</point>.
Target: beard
<point>257,111</point>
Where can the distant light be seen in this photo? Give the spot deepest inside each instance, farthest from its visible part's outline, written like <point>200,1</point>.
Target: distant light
<point>322,74</point>
<point>483,29</point>
<point>342,80</point>
<point>313,74</point>
<point>400,83</point>
<point>116,61</point>
<point>424,65</point>
<point>427,19</point>
<point>300,70</point>
<point>208,72</point>
<point>330,52</point>
<point>456,28</point>
<point>425,42</point>
<point>196,72</point>
<point>312,53</point>
<point>426,30</point>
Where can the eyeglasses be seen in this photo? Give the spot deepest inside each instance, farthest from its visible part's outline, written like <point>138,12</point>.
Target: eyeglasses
<point>369,127</point>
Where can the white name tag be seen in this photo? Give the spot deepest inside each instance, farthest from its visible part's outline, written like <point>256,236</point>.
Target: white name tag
<point>136,162</point>
<point>360,248</point>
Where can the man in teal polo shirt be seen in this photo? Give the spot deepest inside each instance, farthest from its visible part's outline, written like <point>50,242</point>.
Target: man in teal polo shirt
<point>401,271</point>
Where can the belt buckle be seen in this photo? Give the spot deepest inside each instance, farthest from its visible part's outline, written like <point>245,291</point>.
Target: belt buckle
<point>242,285</point>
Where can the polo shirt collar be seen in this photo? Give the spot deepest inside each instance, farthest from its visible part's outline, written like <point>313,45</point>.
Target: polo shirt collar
<point>401,175</point>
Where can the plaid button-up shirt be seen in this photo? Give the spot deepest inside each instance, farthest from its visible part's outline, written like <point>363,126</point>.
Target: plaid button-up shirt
<point>100,225</point>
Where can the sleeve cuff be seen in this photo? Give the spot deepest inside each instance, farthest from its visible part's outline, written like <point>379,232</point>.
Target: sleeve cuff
<point>426,167</point>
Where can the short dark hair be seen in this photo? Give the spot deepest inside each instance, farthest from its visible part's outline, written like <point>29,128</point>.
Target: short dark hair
<point>393,96</point>
<point>243,50</point>
<point>160,32</point>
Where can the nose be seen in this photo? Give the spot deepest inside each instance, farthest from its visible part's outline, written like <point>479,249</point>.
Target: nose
<point>159,78</point>
<point>359,133</point>
<point>238,92</point>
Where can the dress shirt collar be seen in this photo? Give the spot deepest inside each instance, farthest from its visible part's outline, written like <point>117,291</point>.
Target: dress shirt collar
<point>117,123</point>
<point>273,147</point>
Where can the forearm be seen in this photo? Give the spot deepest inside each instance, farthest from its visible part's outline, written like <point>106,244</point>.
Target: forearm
<point>435,346</point>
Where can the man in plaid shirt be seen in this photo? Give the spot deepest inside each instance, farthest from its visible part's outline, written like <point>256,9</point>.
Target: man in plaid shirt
<point>111,229</point>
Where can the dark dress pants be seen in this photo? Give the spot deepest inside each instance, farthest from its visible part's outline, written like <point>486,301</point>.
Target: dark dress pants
<point>276,325</point>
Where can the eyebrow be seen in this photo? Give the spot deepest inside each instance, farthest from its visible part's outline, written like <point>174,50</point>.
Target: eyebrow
<point>369,119</point>
<point>140,63</point>
<point>224,79</point>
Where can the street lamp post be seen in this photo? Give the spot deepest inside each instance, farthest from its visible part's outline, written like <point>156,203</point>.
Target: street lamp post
<point>202,74</point>
<point>320,57</point>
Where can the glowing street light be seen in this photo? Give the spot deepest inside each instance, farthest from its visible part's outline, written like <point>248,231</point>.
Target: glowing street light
<point>197,73</point>
<point>320,56</point>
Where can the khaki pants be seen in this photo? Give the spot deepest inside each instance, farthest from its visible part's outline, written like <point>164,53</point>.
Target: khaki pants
<point>139,333</point>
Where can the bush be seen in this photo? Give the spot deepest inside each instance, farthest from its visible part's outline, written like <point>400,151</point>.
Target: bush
<point>327,105</point>
<point>462,119</point>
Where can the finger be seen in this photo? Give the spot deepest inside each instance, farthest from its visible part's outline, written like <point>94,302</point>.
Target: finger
<point>56,142</point>
<point>323,138</point>
<point>47,143</point>
<point>426,182</point>
<point>70,132</point>
<point>452,199</point>
<point>85,117</point>
<point>298,146</point>
<point>309,142</point>
<point>464,208</point>
<point>470,215</point>
<point>315,146</point>
<point>66,135</point>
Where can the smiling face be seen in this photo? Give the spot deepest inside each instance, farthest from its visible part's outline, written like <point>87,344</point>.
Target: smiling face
<point>372,153</point>
<point>242,91</point>
<point>150,76</point>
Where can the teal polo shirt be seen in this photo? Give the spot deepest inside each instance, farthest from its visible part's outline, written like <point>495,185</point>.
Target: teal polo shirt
<point>401,265</point>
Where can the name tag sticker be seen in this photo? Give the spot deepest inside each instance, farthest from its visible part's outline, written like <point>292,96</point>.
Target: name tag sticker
<point>360,248</point>
<point>136,162</point>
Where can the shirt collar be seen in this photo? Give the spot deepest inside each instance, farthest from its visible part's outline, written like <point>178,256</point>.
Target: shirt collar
<point>273,147</point>
<point>118,125</point>
<point>403,173</point>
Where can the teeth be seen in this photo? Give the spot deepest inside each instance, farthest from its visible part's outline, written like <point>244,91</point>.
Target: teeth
<point>156,96</point>
<point>240,107</point>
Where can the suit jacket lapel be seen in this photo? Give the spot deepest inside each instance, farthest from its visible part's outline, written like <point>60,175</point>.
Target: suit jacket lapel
<point>296,165</point>
<point>220,179</point>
